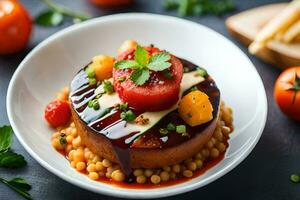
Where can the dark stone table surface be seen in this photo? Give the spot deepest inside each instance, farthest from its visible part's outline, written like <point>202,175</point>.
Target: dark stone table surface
<point>264,175</point>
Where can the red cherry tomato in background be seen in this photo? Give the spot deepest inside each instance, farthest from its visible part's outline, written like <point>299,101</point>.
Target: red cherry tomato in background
<point>58,113</point>
<point>287,92</point>
<point>111,3</point>
<point>15,26</point>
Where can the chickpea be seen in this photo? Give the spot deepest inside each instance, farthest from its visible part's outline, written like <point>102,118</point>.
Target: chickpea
<point>214,153</point>
<point>138,172</point>
<point>69,139</point>
<point>72,125</point>
<point>78,155</point>
<point>106,163</point>
<point>148,172</point>
<point>80,166</point>
<point>155,179</point>
<point>91,167</point>
<point>55,135</point>
<point>205,153</point>
<point>108,175</point>
<point>56,144</point>
<point>198,156</point>
<point>218,134</point>
<point>127,45</point>
<point>164,176</point>
<point>176,168</point>
<point>71,154</point>
<point>192,166</point>
<point>87,155</point>
<point>167,169</point>
<point>187,173</point>
<point>209,144</point>
<point>73,164</point>
<point>99,166</point>
<point>221,147</point>
<point>96,159</point>
<point>141,179</point>
<point>199,163</point>
<point>110,169</point>
<point>76,142</point>
<point>93,175</point>
<point>74,132</point>
<point>225,130</point>
<point>118,175</point>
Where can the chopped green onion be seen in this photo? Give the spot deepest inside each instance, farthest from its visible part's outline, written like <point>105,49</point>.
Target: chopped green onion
<point>163,131</point>
<point>194,88</point>
<point>181,129</point>
<point>121,79</point>
<point>108,87</point>
<point>167,74</point>
<point>96,105</point>
<point>201,72</point>
<point>62,139</point>
<point>92,81</point>
<point>123,106</point>
<point>171,127</point>
<point>128,116</point>
<point>90,72</point>
<point>90,104</point>
<point>295,178</point>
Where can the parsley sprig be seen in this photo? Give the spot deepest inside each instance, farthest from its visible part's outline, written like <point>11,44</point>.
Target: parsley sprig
<point>9,159</point>
<point>143,63</point>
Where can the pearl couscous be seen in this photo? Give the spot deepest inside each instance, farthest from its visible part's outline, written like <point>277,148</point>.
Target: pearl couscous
<point>82,159</point>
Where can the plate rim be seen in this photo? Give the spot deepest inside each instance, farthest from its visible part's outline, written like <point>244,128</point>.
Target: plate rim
<point>124,193</point>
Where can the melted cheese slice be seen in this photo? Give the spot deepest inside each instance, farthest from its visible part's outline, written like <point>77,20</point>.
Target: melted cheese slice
<point>110,100</point>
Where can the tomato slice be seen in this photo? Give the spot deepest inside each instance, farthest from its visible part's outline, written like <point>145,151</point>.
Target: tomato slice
<point>156,94</point>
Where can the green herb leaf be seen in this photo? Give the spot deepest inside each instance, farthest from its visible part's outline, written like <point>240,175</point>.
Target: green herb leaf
<point>158,62</point>
<point>108,87</point>
<point>19,185</point>
<point>295,178</point>
<point>141,55</point>
<point>92,81</point>
<point>127,64</point>
<point>5,137</point>
<point>11,160</point>
<point>140,77</point>
<point>49,18</point>
<point>199,7</point>
<point>123,106</point>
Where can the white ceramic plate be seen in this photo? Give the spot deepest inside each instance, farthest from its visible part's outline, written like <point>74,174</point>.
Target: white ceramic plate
<point>53,63</point>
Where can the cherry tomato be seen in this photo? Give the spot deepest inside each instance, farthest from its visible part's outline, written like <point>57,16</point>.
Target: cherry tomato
<point>111,3</point>
<point>287,92</point>
<point>58,113</point>
<point>159,93</point>
<point>15,26</point>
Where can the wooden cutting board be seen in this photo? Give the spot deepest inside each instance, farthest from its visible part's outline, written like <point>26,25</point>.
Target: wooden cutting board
<point>245,25</point>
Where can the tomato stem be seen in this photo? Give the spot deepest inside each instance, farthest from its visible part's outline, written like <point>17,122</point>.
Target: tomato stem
<point>296,87</point>
<point>65,11</point>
